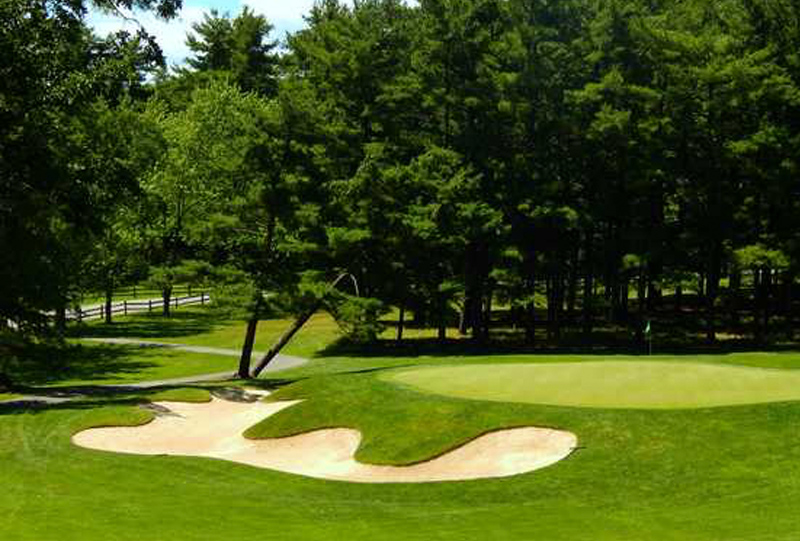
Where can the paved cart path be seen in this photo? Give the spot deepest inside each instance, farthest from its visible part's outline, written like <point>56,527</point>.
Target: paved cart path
<point>58,396</point>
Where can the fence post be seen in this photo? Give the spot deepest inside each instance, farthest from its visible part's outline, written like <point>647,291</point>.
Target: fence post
<point>190,290</point>
<point>80,314</point>
<point>125,307</point>
<point>176,301</point>
<point>149,305</point>
<point>202,297</point>
<point>134,291</point>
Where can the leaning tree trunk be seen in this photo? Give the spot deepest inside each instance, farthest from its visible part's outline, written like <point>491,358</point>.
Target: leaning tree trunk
<point>283,340</point>
<point>296,326</point>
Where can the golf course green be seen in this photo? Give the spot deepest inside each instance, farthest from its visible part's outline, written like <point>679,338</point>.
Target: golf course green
<point>609,384</point>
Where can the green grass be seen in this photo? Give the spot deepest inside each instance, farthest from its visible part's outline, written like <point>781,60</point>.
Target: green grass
<point>724,473</point>
<point>199,326</point>
<point>609,384</point>
<point>89,363</point>
<point>8,396</point>
<point>709,474</point>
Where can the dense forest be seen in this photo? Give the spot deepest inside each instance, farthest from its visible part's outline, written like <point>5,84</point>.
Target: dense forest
<point>549,172</point>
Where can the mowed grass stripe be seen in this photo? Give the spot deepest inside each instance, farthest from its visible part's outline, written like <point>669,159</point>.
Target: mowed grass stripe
<point>609,384</point>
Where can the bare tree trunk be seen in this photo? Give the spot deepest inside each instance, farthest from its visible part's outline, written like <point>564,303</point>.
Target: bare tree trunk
<point>463,322</point>
<point>442,327</point>
<point>401,322</point>
<point>623,301</point>
<point>786,301</point>
<point>572,290</point>
<point>109,299</point>
<point>733,288</point>
<point>712,290</point>
<point>767,285</point>
<point>250,337</point>
<point>247,347</point>
<point>529,315</point>
<point>487,318</point>
<point>166,294</point>
<point>61,319</point>
<point>641,312</point>
<point>587,305</point>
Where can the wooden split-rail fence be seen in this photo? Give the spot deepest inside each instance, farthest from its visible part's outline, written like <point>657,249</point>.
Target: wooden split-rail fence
<point>127,307</point>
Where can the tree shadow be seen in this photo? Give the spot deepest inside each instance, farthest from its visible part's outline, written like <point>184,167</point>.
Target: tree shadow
<point>151,326</point>
<point>602,342</point>
<point>47,364</point>
<point>88,397</point>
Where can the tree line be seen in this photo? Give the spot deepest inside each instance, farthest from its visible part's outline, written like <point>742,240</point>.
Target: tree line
<point>568,170</point>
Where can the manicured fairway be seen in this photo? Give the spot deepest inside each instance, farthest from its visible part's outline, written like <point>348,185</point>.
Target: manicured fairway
<point>609,384</point>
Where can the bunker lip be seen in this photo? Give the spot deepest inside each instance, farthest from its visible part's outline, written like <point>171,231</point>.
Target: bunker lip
<point>215,430</point>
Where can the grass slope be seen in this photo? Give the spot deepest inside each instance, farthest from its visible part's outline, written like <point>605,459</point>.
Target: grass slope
<point>610,384</point>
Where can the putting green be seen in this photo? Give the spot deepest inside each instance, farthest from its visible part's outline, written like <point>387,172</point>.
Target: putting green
<point>609,384</point>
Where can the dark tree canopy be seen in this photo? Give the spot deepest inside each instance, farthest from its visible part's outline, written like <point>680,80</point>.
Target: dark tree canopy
<point>565,170</point>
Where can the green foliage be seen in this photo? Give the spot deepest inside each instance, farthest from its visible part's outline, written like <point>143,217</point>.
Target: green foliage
<point>758,256</point>
<point>193,272</point>
<point>67,138</point>
<point>236,48</point>
<point>359,318</point>
<point>445,153</point>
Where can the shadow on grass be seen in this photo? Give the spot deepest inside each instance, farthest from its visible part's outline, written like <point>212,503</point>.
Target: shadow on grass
<point>87,397</point>
<point>44,364</point>
<point>511,343</point>
<point>152,325</point>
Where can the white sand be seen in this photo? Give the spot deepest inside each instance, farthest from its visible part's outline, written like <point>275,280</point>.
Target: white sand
<point>214,429</point>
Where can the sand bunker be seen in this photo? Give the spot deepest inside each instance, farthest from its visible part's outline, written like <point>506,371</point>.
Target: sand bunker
<point>214,429</point>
